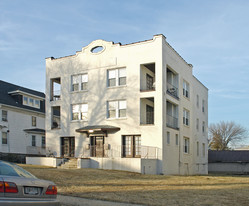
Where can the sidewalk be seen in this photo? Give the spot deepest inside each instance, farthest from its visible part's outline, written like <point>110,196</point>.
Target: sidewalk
<point>78,201</point>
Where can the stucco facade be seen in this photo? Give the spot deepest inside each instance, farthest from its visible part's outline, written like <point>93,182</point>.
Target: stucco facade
<point>127,101</point>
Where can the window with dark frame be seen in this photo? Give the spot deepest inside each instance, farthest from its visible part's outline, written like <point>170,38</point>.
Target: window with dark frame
<point>33,121</point>
<point>185,89</point>
<point>149,82</point>
<point>33,141</point>
<point>186,117</point>
<point>149,114</point>
<point>197,149</point>
<point>131,146</point>
<point>4,115</point>
<point>186,145</point>
<point>177,139</point>
<point>168,137</point>
<point>43,142</point>
<point>4,138</point>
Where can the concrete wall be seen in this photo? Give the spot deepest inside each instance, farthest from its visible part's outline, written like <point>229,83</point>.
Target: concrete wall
<point>46,161</point>
<point>144,166</point>
<point>229,168</point>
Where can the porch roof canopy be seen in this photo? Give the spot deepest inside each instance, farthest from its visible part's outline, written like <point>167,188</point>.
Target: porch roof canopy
<point>35,131</point>
<point>97,128</point>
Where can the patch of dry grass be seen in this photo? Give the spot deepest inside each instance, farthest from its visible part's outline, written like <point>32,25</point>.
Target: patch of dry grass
<point>147,189</point>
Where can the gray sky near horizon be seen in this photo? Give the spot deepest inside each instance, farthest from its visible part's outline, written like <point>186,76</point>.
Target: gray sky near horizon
<point>212,35</point>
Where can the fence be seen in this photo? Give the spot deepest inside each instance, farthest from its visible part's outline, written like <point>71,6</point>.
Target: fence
<point>107,150</point>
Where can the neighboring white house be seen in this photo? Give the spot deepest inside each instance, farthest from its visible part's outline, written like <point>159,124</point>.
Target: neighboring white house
<point>22,121</point>
<point>133,107</point>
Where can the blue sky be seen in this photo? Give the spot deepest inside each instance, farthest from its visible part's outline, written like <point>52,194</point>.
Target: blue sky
<point>212,35</point>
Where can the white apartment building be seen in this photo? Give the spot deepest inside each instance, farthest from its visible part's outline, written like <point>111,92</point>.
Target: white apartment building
<point>134,107</point>
<point>22,122</point>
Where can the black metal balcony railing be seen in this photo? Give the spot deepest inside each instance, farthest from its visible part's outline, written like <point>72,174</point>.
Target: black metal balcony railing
<point>56,124</point>
<point>144,152</point>
<point>56,95</point>
<point>171,89</point>
<point>172,122</point>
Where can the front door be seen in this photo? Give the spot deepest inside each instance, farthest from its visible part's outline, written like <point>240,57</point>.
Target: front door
<point>67,146</point>
<point>97,146</point>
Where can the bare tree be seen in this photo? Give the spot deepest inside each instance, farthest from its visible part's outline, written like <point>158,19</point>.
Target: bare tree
<point>223,134</point>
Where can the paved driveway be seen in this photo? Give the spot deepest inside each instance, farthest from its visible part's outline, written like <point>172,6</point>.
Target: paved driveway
<point>77,201</point>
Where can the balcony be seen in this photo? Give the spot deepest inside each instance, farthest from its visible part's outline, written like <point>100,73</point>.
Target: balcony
<point>55,92</point>
<point>56,95</point>
<point>172,115</point>
<point>147,77</point>
<point>172,122</point>
<point>172,90</point>
<point>172,83</point>
<point>56,118</point>
<point>147,111</point>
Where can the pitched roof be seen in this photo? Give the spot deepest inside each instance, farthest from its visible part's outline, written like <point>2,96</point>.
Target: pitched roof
<point>228,156</point>
<point>12,100</point>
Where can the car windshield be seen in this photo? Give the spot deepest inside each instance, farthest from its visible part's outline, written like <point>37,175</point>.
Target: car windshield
<point>10,169</point>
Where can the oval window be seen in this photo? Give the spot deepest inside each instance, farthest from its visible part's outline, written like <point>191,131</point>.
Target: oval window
<point>97,49</point>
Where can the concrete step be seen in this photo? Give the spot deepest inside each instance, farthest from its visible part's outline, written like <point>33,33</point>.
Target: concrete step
<point>70,164</point>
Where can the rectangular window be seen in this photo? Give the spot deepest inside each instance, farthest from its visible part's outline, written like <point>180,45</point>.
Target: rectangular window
<point>186,145</point>
<point>43,142</point>
<point>79,112</point>
<point>203,150</point>
<point>33,121</point>
<point>149,82</point>
<point>4,138</point>
<point>37,103</point>
<point>185,89</point>
<point>79,82</point>
<point>33,143</point>
<point>25,100</point>
<point>116,77</point>
<point>31,102</point>
<point>203,106</point>
<point>177,139</point>
<point>122,76</point>
<point>131,146</point>
<point>75,83</point>
<point>116,109</point>
<point>197,124</point>
<point>149,114</point>
<point>203,127</point>
<point>168,138</point>
<point>186,117</point>
<point>197,149</point>
<point>197,101</point>
<point>4,115</point>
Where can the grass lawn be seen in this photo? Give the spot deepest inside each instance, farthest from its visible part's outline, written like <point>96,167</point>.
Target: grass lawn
<point>130,187</point>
